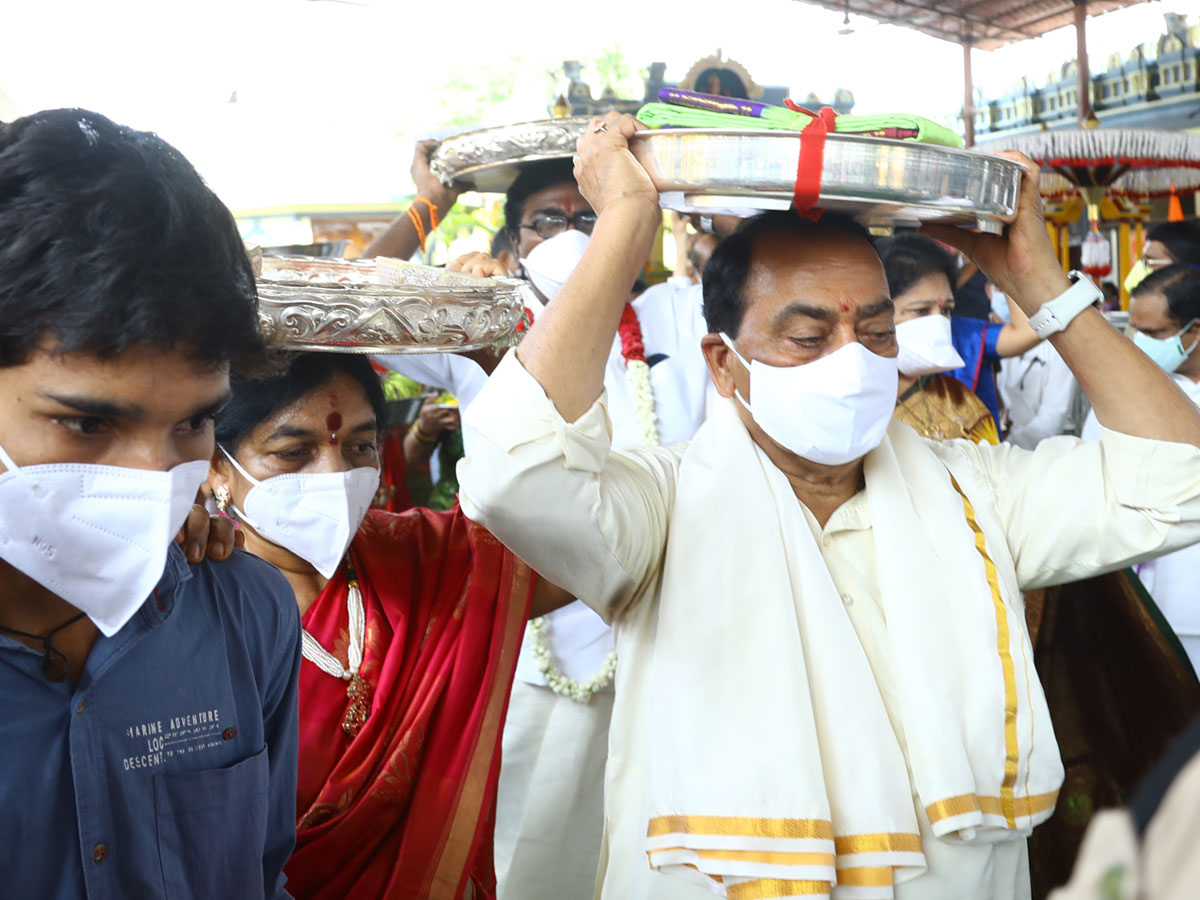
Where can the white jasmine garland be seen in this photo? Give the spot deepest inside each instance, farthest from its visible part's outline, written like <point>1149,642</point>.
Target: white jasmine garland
<point>579,691</point>
<point>637,372</point>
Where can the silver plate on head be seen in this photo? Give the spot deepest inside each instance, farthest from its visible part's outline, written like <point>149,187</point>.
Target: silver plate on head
<point>879,181</point>
<point>490,158</point>
<point>382,306</point>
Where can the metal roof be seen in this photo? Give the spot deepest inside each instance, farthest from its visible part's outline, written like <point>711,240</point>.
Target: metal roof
<point>986,24</point>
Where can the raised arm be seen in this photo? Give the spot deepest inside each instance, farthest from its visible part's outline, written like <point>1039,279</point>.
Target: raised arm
<point>401,240</point>
<point>568,346</point>
<point>539,472</point>
<point>1129,393</point>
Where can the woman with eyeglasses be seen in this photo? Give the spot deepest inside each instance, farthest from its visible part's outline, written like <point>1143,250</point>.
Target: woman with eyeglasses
<point>412,623</point>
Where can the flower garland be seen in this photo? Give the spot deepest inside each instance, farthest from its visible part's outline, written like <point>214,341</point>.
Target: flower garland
<point>637,371</point>
<point>579,691</point>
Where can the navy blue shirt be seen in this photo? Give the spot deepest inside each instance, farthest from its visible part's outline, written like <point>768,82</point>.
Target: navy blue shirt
<point>169,771</point>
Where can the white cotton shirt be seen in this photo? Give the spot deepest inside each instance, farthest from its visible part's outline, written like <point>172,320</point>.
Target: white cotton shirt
<point>1039,394</point>
<point>595,522</point>
<point>1172,580</point>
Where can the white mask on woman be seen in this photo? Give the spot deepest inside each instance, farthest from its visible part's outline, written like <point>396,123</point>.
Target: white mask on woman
<point>313,514</point>
<point>832,411</point>
<point>926,346</point>
<point>97,536</point>
<point>551,262</point>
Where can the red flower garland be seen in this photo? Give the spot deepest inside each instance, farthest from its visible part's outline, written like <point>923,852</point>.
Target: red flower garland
<point>630,330</point>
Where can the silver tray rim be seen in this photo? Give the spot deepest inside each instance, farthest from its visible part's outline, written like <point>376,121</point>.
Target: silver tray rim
<point>276,294</point>
<point>962,209</point>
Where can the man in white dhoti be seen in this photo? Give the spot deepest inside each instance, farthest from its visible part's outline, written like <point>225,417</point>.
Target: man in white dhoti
<point>826,686</point>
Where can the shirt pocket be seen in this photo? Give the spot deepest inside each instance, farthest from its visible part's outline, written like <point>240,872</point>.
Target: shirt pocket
<point>212,830</point>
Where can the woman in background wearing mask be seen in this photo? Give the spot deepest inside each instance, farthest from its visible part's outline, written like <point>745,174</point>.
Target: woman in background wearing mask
<point>935,404</point>
<point>411,627</point>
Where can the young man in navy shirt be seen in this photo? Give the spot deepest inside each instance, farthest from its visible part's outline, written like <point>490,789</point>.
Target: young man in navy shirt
<point>149,725</point>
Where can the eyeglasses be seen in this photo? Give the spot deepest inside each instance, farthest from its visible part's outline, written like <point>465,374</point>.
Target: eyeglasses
<point>549,226</point>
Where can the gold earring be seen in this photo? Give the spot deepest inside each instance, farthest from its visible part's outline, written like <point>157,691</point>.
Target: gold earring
<point>223,498</point>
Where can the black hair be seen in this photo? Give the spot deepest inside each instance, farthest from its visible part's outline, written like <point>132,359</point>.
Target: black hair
<point>500,243</point>
<point>534,177</point>
<point>254,400</point>
<point>907,258</point>
<point>729,266</point>
<point>113,241</point>
<point>1180,284</point>
<point>1182,240</point>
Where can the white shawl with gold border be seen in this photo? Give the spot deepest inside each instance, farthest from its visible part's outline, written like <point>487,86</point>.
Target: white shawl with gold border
<point>776,772</point>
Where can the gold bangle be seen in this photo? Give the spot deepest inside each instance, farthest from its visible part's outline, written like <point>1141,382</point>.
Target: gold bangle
<point>415,431</point>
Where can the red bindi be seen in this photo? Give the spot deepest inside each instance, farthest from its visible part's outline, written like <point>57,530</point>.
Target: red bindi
<point>845,306</point>
<point>333,422</point>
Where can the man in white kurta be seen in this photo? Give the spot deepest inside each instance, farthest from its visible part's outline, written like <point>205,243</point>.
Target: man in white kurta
<point>760,741</point>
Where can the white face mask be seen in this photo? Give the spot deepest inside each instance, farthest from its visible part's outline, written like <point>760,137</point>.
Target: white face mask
<point>312,514</point>
<point>551,262</point>
<point>832,411</point>
<point>97,536</point>
<point>926,346</point>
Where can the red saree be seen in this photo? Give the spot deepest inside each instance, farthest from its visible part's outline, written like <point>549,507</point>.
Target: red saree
<point>405,808</point>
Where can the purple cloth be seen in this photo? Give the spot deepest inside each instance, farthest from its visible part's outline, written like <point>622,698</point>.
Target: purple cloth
<point>711,102</point>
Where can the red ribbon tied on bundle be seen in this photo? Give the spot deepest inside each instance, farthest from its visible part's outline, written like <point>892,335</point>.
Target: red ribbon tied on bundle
<point>807,191</point>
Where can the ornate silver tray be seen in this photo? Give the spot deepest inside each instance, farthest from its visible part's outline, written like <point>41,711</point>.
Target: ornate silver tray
<point>382,306</point>
<point>489,159</point>
<point>877,180</point>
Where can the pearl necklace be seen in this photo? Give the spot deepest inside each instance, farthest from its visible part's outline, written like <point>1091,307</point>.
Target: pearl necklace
<point>357,690</point>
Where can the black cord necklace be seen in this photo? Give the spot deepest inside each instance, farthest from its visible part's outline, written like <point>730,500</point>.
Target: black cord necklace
<point>54,662</point>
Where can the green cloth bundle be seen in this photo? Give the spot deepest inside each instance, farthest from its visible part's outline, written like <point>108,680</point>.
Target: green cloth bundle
<point>778,118</point>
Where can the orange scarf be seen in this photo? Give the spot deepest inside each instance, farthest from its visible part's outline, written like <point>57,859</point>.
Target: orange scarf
<point>445,606</point>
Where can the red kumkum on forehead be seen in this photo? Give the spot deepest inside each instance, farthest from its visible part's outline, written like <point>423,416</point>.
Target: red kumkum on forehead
<point>333,421</point>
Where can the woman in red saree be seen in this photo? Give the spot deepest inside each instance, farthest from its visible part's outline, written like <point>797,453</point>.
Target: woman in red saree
<point>411,640</point>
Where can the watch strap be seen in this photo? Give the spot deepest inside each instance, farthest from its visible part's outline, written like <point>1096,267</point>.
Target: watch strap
<point>1056,315</point>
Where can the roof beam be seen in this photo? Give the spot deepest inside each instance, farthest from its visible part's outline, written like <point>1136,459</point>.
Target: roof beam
<point>987,29</point>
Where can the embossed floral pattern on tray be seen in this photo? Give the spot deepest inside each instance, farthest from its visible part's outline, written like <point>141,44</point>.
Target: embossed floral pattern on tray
<point>341,306</point>
<point>462,157</point>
